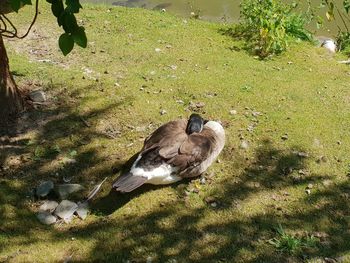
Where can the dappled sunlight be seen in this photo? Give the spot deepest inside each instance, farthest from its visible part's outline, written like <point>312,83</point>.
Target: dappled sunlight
<point>291,170</point>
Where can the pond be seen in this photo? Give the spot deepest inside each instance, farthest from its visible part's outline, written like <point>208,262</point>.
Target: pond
<point>211,10</point>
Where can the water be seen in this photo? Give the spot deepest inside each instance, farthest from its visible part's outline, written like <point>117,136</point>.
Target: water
<point>212,10</point>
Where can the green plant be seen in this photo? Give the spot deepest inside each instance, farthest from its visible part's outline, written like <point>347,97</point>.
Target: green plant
<point>65,14</point>
<point>292,244</point>
<point>268,25</point>
<point>41,152</point>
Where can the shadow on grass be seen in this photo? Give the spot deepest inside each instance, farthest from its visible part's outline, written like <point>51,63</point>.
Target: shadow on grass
<point>230,232</point>
<point>25,161</point>
<point>250,203</point>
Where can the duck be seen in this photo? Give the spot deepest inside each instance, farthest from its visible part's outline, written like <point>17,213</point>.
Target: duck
<point>176,150</point>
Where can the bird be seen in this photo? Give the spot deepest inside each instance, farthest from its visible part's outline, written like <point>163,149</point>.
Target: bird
<point>176,150</point>
<point>327,43</point>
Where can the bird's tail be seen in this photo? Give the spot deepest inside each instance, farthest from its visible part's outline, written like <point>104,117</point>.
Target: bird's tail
<point>128,182</point>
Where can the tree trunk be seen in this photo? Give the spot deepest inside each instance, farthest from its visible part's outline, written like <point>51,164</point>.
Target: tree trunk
<point>11,102</point>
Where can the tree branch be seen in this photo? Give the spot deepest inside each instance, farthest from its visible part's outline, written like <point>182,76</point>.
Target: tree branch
<point>14,33</point>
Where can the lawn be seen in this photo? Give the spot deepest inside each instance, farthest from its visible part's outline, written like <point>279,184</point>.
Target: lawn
<point>284,197</point>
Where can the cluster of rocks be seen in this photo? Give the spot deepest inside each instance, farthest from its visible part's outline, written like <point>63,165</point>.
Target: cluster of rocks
<point>51,211</point>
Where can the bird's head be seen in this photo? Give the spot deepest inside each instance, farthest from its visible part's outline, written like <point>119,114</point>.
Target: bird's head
<point>195,124</point>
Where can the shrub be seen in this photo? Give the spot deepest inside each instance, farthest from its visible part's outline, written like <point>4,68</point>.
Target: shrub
<point>268,25</point>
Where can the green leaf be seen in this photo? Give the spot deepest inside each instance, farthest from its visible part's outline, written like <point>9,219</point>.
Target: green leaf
<point>73,153</point>
<point>57,8</point>
<point>69,22</point>
<point>15,5</point>
<point>66,43</point>
<point>346,4</point>
<point>50,1</point>
<point>73,6</point>
<point>330,16</point>
<point>26,2</point>
<point>79,37</point>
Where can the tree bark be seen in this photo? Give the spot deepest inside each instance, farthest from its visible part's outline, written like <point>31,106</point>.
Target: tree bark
<point>11,102</point>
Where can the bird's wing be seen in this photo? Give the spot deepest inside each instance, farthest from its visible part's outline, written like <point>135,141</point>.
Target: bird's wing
<point>167,139</point>
<point>193,151</point>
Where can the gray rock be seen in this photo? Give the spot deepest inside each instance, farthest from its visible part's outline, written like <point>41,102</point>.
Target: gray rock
<point>37,96</point>
<point>82,210</point>
<point>49,206</point>
<point>64,190</point>
<point>65,210</point>
<point>44,188</point>
<point>46,218</point>
<point>213,204</point>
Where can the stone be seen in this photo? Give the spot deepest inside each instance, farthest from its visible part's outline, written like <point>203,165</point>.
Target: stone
<point>233,112</point>
<point>213,204</point>
<point>46,218</point>
<point>303,154</point>
<point>256,113</point>
<point>65,210</point>
<point>44,188</point>
<point>49,206</point>
<point>163,112</point>
<point>244,145</point>
<point>37,96</point>
<point>82,210</point>
<point>284,137</point>
<point>64,190</point>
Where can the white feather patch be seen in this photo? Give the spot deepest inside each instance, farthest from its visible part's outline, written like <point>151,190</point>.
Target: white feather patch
<point>163,174</point>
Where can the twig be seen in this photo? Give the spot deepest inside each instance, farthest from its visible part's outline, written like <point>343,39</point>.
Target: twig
<point>344,61</point>
<point>342,18</point>
<point>34,19</point>
<point>85,122</point>
<point>95,190</point>
<point>14,33</point>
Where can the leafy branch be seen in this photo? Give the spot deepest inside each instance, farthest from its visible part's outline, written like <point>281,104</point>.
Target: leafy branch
<point>63,11</point>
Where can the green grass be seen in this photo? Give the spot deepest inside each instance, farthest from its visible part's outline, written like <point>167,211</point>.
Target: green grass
<point>292,244</point>
<point>303,93</point>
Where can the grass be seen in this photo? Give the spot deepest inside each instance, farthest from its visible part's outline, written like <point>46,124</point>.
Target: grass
<point>292,244</point>
<point>104,100</point>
